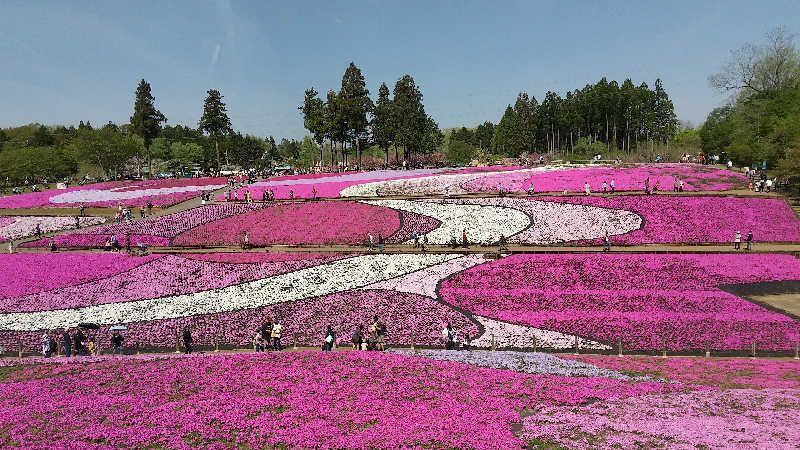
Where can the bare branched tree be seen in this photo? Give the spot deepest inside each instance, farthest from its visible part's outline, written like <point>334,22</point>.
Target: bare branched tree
<point>757,69</point>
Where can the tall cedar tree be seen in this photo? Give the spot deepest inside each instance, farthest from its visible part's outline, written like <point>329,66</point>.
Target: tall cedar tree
<point>408,115</point>
<point>146,119</point>
<point>355,104</point>
<point>215,120</point>
<point>382,128</point>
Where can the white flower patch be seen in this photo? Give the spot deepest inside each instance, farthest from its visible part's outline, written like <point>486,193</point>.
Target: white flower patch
<point>336,276</point>
<point>554,222</point>
<point>509,335</point>
<point>424,282</point>
<point>96,195</point>
<point>483,223</point>
<point>428,185</point>
<point>25,226</point>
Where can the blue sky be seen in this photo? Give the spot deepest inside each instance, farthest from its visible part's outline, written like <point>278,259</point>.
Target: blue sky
<point>61,62</point>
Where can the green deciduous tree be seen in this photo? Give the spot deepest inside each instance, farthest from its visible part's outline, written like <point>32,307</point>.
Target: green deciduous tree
<point>146,119</point>
<point>215,120</point>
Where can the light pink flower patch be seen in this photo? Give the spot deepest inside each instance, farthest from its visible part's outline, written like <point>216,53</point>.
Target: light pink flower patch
<point>648,301</point>
<point>701,419</point>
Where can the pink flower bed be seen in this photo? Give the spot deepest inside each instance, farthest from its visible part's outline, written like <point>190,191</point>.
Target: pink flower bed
<point>42,199</point>
<point>279,223</point>
<point>695,178</point>
<point>303,223</point>
<point>329,185</point>
<point>301,399</point>
<point>160,193</point>
<point>701,419</point>
<point>31,273</point>
<point>699,219</point>
<point>722,373</point>
<point>640,299</point>
<point>140,278</point>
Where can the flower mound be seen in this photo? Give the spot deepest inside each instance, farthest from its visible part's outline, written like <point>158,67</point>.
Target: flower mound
<point>19,227</point>
<point>648,301</point>
<point>695,178</point>
<point>299,223</point>
<point>298,399</point>
<point>701,419</point>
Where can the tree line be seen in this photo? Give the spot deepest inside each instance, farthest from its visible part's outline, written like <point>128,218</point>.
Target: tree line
<point>143,146</point>
<point>761,121</point>
<point>349,121</point>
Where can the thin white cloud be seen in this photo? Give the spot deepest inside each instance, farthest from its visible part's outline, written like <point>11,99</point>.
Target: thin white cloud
<point>215,55</point>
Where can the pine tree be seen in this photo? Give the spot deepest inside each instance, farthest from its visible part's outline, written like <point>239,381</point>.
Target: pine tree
<point>146,119</point>
<point>215,120</point>
<point>355,104</point>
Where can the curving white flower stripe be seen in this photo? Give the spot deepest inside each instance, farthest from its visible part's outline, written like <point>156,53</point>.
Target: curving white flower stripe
<point>562,222</point>
<point>424,282</point>
<point>336,276</point>
<point>522,336</point>
<point>96,195</point>
<point>432,185</point>
<point>483,223</point>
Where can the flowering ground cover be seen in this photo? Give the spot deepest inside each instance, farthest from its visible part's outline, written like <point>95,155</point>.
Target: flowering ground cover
<point>695,178</point>
<point>308,223</point>
<point>301,399</point>
<point>279,223</point>
<point>19,227</point>
<point>30,273</point>
<point>736,418</point>
<point>647,301</point>
<point>348,184</point>
<point>670,219</point>
<point>725,373</point>
<point>160,193</point>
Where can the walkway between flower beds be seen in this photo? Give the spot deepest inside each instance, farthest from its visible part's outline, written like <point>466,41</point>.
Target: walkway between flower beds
<point>7,359</point>
<point>758,247</point>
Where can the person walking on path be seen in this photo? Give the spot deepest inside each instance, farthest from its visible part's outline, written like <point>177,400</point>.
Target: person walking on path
<point>82,210</point>
<point>371,241</point>
<point>737,241</point>
<point>605,187</point>
<point>606,243</point>
<point>612,186</point>
<point>116,344</point>
<point>358,337</point>
<point>464,241</point>
<point>187,341</point>
<point>80,343</point>
<point>449,336</point>
<point>647,186</point>
<point>276,336</point>
<point>380,242</point>
<point>67,343</point>
<point>258,342</point>
<point>680,186</point>
<point>45,345</point>
<point>749,241</point>
<point>586,189</point>
<point>330,338</point>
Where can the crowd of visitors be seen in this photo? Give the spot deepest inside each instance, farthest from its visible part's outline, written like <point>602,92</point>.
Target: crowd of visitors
<point>72,344</point>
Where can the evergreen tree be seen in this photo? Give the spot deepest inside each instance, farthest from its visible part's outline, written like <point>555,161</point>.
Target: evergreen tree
<point>215,120</point>
<point>382,127</point>
<point>146,119</point>
<point>355,104</point>
<point>409,115</point>
<point>313,109</point>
